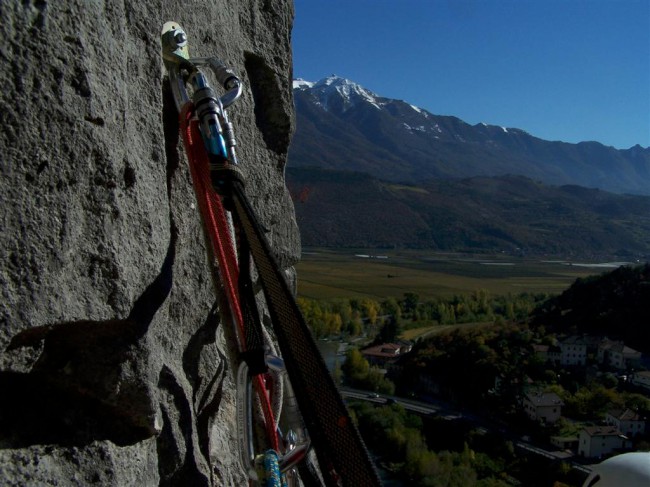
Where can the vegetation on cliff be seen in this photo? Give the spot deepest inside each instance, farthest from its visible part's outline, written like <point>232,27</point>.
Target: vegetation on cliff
<point>615,304</point>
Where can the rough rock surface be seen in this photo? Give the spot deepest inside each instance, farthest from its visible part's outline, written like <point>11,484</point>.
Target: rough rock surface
<point>114,369</point>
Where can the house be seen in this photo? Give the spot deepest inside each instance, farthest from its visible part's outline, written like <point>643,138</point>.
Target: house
<point>617,355</point>
<point>598,441</point>
<point>641,379</point>
<point>573,351</point>
<point>543,406</point>
<point>628,422</point>
<point>386,353</point>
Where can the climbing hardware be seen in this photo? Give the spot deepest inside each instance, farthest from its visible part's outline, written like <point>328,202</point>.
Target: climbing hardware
<point>289,392</point>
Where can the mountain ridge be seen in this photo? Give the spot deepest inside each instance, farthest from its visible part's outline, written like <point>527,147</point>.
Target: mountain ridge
<point>508,214</point>
<point>342,125</point>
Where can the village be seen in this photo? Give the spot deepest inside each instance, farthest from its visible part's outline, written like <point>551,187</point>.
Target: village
<point>542,411</point>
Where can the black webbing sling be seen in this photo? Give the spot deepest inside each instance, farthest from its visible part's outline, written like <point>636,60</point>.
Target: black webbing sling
<point>341,453</point>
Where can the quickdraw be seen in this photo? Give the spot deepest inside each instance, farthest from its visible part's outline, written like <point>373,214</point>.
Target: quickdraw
<point>234,236</point>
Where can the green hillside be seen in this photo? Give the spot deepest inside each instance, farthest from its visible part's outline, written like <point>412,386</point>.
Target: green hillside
<point>614,304</point>
<point>509,214</point>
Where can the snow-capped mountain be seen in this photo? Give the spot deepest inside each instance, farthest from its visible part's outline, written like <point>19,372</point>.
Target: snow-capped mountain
<point>301,83</point>
<point>343,92</point>
<point>342,125</point>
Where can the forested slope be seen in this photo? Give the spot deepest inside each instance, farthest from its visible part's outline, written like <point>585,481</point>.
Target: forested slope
<point>509,214</point>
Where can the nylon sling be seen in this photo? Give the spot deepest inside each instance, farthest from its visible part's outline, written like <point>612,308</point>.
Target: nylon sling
<point>339,448</point>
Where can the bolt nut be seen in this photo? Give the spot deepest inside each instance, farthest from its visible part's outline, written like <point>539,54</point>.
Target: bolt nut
<point>180,39</point>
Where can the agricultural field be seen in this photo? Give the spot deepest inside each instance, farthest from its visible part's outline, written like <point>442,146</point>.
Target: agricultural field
<point>347,273</point>
<point>427,331</point>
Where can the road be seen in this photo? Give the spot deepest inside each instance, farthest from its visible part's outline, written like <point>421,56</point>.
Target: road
<point>439,409</point>
<point>444,411</point>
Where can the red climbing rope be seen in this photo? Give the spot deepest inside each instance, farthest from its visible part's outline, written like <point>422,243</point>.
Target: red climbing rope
<point>218,231</point>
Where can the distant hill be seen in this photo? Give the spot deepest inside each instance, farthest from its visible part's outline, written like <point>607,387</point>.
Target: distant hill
<point>614,304</point>
<point>510,214</point>
<point>341,125</point>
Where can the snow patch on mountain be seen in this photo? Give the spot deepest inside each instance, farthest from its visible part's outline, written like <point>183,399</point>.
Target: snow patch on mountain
<point>335,93</point>
<point>424,113</point>
<point>419,128</point>
<point>350,92</point>
<point>301,83</point>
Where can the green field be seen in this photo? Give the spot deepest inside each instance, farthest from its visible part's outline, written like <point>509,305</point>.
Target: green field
<point>427,331</point>
<point>341,273</point>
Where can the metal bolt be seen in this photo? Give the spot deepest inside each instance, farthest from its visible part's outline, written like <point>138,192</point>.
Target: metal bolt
<point>180,39</point>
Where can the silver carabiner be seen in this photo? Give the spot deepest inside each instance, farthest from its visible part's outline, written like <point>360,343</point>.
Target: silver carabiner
<point>296,441</point>
<point>245,421</point>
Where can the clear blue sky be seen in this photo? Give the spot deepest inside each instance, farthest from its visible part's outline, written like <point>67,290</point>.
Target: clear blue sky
<point>571,70</point>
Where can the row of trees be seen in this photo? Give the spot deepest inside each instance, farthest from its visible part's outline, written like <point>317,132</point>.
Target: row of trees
<point>465,363</point>
<point>360,374</point>
<point>354,317</point>
<point>592,400</point>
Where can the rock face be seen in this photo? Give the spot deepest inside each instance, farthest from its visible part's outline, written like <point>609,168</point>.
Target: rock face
<point>114,368</point>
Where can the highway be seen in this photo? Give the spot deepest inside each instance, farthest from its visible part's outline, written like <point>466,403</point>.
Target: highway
<point>439,409</point>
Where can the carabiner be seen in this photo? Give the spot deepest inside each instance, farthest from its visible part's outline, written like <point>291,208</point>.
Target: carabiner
<point>296,441</point>
<point>177,59</point>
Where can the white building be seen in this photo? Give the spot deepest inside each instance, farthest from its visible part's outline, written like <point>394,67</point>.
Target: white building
<point>626,421</point>
<point>543,406</point>
<point>573,351</point>
<point>617,355</point>
<point>598,441</point>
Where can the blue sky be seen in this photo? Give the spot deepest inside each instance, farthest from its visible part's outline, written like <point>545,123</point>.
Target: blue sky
<point>570,70</point>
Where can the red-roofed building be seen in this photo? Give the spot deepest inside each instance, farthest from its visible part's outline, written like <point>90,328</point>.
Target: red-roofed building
<point>386,353</point>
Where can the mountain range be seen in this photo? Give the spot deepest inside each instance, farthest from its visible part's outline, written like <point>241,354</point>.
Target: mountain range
<point>369,171</point>
<point>341,125</point>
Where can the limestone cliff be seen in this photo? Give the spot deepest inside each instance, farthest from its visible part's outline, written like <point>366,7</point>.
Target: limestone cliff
<point>114,369</point>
